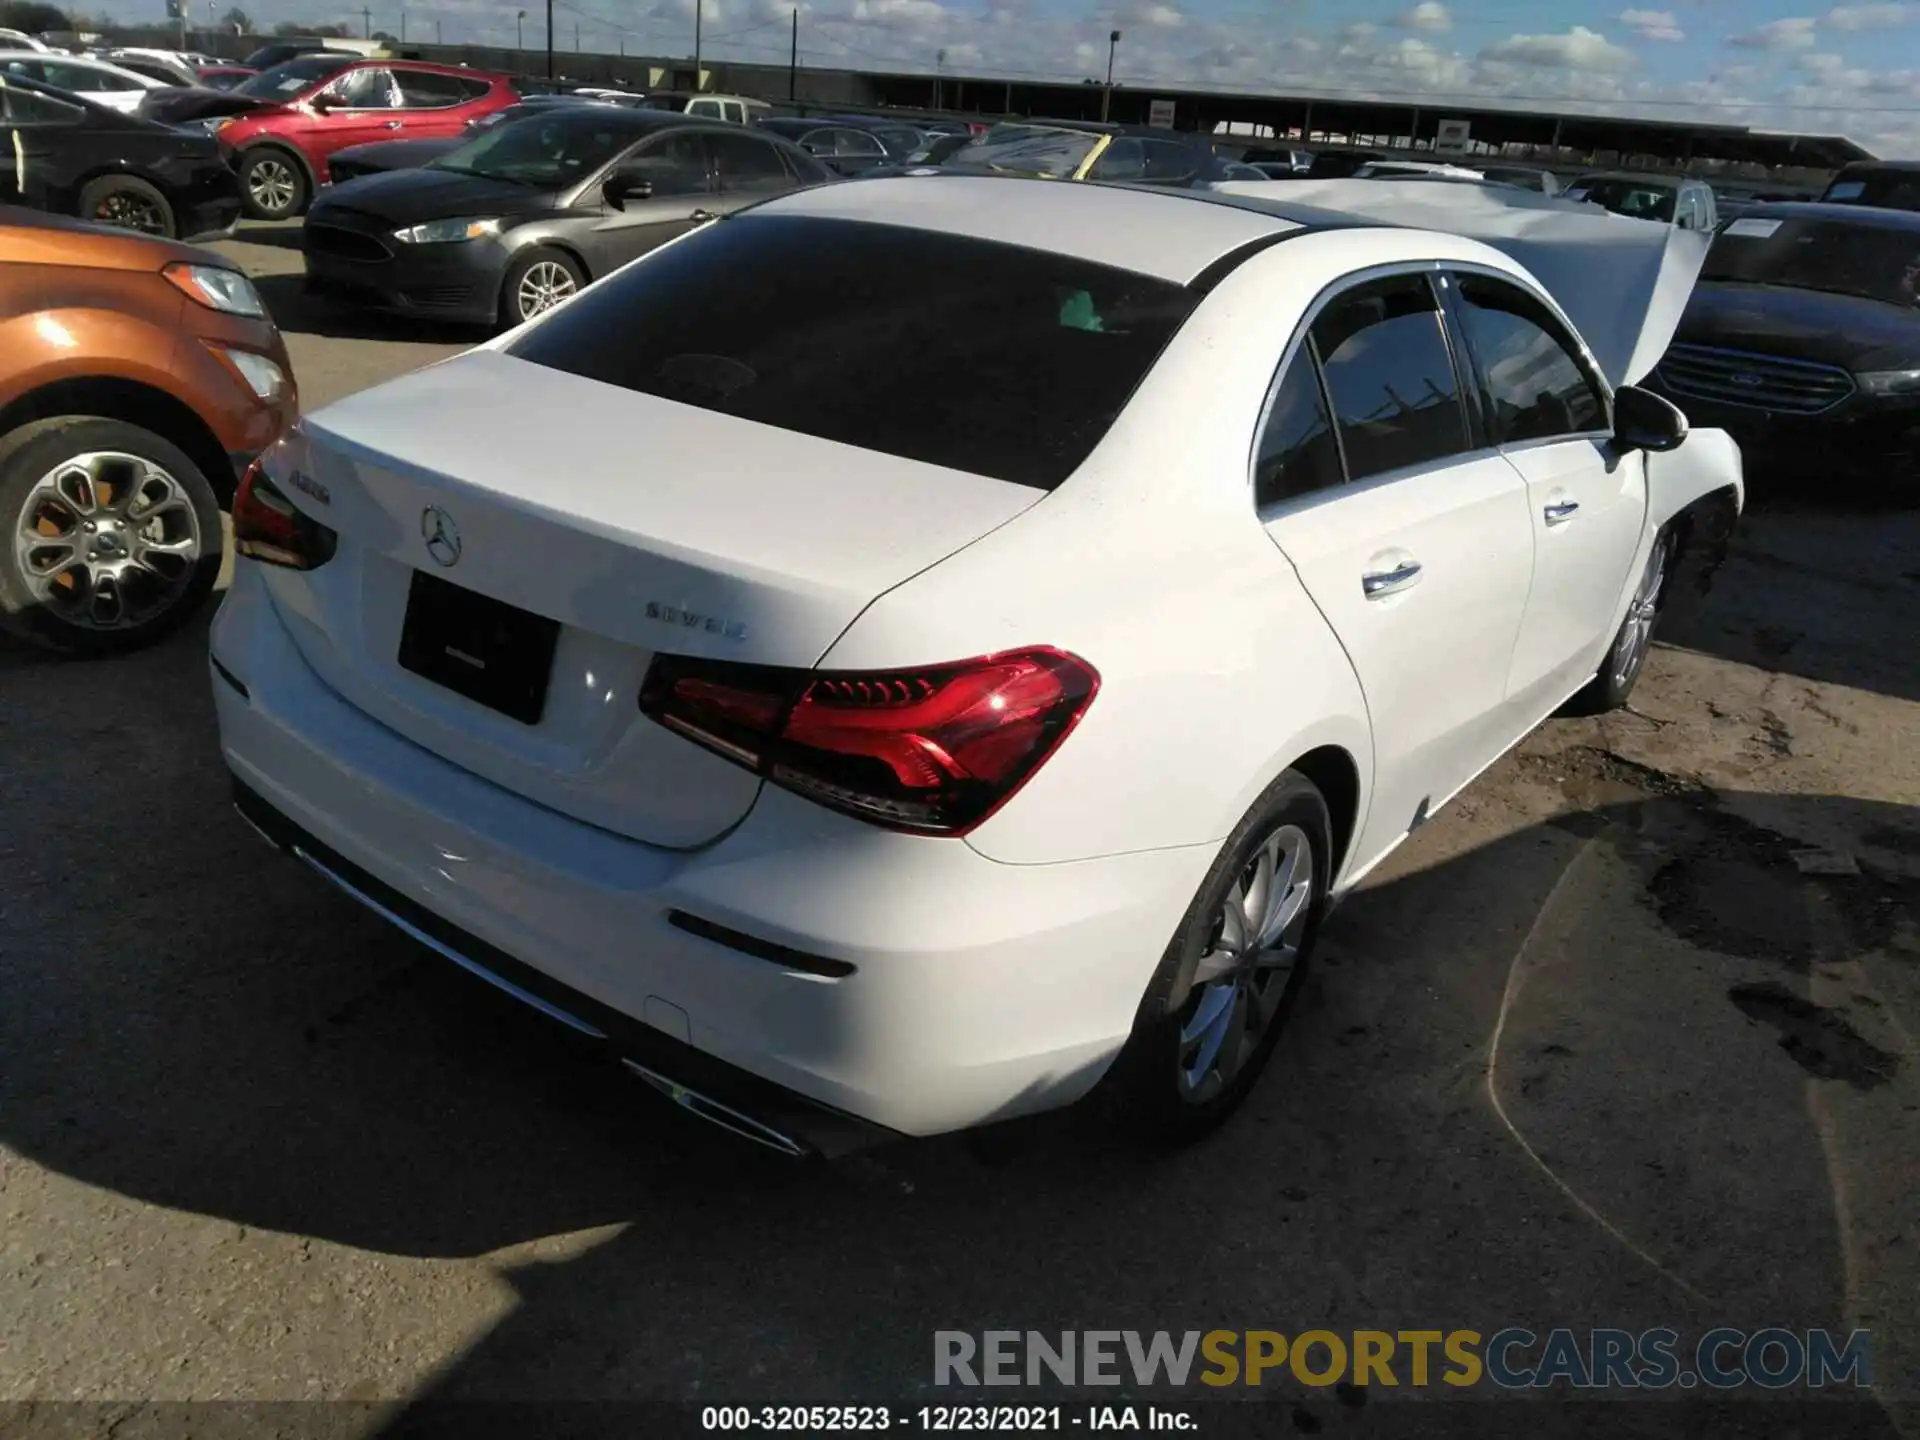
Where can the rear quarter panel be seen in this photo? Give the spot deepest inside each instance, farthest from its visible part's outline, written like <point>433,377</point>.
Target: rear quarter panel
<point>1217,671</point>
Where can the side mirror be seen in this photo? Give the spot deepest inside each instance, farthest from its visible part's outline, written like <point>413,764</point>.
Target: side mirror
<point>1643,420</point>
<point>619,188</point>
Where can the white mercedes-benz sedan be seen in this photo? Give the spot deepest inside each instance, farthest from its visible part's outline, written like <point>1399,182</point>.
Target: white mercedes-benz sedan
<point>921,650</point>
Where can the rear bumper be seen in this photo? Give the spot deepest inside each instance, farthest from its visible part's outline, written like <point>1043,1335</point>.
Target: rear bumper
<point>957,990</point>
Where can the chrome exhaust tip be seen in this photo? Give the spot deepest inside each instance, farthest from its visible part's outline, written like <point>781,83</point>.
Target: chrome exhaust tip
<point>715,1113</point>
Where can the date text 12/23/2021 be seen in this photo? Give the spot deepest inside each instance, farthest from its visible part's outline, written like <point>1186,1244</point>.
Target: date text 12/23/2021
<point>942,1419</point>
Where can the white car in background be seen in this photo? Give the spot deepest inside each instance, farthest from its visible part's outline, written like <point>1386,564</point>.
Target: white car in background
<point>96,80</point>
<point>1415,169</point>
<point>860,768</point>
<point>20,40</point>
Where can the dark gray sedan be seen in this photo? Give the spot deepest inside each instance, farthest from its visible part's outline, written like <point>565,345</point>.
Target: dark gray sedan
<point>522,216</point>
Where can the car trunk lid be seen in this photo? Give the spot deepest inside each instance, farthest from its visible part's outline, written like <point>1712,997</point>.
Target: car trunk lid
<point>615,525</point>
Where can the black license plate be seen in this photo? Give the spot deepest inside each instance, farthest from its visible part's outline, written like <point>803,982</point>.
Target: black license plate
<point>478,647</point>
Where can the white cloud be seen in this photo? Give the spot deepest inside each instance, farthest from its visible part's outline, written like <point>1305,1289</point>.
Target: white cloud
<point>1578,49</point>
<point>1871,17</point>
<point>1653,24</point>
<point>1429,15</point>
<point>1795,33</point>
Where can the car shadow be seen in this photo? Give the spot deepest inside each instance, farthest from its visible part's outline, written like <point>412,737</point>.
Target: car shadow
<point>201,1025</point>
<point>299,311</point>
<point>1824,586</point>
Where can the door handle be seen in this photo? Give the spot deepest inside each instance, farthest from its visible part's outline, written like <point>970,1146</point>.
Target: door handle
<point>1382,583</point>
<point>394,124</point>
<point>1560,513</point>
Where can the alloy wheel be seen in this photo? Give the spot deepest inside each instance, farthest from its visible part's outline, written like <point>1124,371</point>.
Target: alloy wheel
<point>545,285</point>
<point>1636,634</point>
<point>131,211</point>
<point>107,540</point>
<point>1248,964</point>
<point>271,183</point>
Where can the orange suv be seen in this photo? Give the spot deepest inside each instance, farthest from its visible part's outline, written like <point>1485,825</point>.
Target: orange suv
<point>138,378</point>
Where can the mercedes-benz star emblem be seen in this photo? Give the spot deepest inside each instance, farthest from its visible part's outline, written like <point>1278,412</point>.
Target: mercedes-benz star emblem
<point>441,534</point>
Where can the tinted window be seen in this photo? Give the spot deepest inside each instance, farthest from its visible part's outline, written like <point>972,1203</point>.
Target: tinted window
<point>1018,361</point>
<point>1533,386</point>
<point>1167,161</point>
<point>743,161</point>
<point>856,144</point>
<point>1891,189</point>
<point>1297,454</point>
<point>424,90</point>
<point>1389,376</point>
<point>676,164</point>
<point>25,109</point>
<point>80,77</point>
<point>1124,159</point>
<point>1629,197</point>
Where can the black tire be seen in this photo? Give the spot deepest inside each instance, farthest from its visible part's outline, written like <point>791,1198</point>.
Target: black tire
<point>47,596</point>
<point>273,183</point>
<point>130,203</point>
<point>1626,657</point>
<point>1145,1093</point>
<point>512,310</point>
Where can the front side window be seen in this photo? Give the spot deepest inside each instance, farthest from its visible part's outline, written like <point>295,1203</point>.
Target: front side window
<point>856,145</point>
<point>371,89</point>
<point>1533,386</point>
<point>1297,454</point>
<point>746,162</point>
<point>1124,159</point>
<point>1018,361</point>
<point>673,165</point>
<point>1169,162</point>
<point>1390,377</point>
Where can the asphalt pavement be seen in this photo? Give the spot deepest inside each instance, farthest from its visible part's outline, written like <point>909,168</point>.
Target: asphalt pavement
<point>1625,1037</point>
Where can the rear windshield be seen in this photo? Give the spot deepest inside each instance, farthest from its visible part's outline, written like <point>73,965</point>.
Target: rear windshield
<point>1839,257</point>
<point>1888,189</point>
<point>988,358</point>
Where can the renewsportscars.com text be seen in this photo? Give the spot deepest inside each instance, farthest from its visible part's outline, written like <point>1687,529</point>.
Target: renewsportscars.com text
<point>1512,1358</point>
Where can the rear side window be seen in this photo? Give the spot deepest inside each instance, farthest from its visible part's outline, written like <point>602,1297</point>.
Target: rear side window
<point>1533,386</point>
<point>1169,162</point>
<point>1017,362</point>
<point>1390,377</point>
<point>426,90</point>
<point>1297,453</point>
<point>746,162</point>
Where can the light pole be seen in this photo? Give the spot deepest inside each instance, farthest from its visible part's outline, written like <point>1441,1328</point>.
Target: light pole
<point>520,31</point>
<point>1106,96</point>
<point>699,6</point>
<point>549,39</point>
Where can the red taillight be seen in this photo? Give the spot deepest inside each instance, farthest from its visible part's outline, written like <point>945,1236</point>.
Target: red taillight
<point>935,750</point>
<point>267,527</point>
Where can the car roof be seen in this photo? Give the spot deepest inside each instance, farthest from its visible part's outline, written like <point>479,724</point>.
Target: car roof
<point>1864,215</point>
<point>1170,235</point>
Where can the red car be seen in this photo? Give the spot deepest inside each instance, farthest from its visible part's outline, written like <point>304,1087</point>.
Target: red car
<point>281,149</point>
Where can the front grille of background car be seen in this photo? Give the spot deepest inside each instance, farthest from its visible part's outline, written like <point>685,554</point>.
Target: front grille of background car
<point>326,239</point>
<point>1757,382</point>
<point>428,297</point>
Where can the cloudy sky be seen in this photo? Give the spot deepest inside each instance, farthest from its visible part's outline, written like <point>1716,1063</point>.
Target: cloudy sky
<point>1852,68</point>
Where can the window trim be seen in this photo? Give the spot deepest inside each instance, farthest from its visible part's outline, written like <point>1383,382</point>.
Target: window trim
<point>1582,356</point>
<point>1302,333</point>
